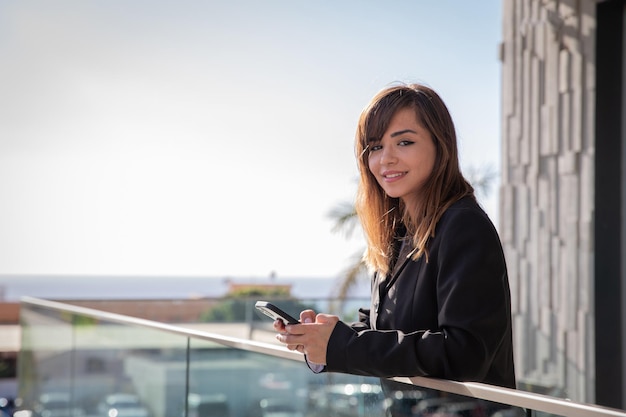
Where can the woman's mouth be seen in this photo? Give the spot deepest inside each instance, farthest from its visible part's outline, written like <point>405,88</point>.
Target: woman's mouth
<point>392,176</point>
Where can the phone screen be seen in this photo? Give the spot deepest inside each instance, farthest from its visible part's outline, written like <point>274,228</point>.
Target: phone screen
<point>274,312</point>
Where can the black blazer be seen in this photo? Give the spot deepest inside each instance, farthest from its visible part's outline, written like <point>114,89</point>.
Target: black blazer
<point>449,317</point>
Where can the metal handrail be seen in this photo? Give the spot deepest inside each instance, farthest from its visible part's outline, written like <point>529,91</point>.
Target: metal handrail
<point>517,398</point>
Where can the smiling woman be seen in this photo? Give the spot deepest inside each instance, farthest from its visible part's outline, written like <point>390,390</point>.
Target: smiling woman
<point>441,303</point>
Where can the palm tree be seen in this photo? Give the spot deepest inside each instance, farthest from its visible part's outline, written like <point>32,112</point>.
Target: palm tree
<point>346,221</point>
<point>482,179</point>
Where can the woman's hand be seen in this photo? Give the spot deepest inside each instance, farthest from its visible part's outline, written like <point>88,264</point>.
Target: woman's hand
<point>310,337</point>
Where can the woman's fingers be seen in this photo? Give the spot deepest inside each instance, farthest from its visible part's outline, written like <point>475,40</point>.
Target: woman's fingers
<point>298,348</point>
<point>307,316</point>
<point>279,326</point>
<point>310,337</point>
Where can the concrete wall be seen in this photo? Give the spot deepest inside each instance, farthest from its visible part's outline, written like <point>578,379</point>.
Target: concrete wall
<point>547,194</point>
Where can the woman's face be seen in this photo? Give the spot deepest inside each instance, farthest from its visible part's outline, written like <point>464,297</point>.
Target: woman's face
<point>403,159</point>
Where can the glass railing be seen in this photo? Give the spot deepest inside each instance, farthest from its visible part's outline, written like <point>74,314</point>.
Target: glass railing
<point>81,362</point>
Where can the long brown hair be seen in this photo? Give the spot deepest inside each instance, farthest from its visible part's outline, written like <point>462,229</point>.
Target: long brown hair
<point>382,215</point>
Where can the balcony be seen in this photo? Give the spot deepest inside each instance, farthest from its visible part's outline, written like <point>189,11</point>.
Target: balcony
<point>82,362</point>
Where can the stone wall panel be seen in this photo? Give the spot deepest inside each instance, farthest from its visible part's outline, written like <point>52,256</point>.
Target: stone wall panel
<point>547,188</point>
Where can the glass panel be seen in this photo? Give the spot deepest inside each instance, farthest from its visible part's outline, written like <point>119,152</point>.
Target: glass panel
<point>128,371</point>
<point>45,360</point>
<point>346,395</point>
<point>411,400</point>
<point>79,366</point>
<point>231,382</point>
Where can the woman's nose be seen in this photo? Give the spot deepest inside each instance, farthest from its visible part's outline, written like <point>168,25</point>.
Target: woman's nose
<point>387,156</point>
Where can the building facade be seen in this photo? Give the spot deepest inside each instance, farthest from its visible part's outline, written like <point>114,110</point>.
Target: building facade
<point>563,165</point>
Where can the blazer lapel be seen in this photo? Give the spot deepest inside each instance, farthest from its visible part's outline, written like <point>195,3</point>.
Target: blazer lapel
<point>384,284</point>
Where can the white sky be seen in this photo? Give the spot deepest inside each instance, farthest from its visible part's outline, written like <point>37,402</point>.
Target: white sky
<point>213,138</point>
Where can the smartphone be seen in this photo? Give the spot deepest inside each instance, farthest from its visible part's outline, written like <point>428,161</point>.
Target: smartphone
<point>275,313</point>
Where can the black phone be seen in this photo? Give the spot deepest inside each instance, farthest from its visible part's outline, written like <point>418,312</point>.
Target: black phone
<point>275,313</point>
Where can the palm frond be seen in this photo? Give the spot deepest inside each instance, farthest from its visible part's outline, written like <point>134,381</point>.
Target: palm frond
<point>345,218</point>
<point>349,279</point>
<point>482,179</point>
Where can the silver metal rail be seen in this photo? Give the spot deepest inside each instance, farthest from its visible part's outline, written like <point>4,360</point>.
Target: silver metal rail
<point>518,398</point>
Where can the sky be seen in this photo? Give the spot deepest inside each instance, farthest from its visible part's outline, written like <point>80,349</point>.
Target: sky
<point>213,138</point>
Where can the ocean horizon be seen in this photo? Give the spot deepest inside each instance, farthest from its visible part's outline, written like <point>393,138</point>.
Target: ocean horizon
<point>108,287</point>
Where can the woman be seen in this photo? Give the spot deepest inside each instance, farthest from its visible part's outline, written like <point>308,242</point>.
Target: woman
<point>440,293</point>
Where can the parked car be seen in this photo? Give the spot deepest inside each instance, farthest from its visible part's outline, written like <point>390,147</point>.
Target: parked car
<point>274,407</point>
<point>57,404</point>
<point>429,406</point>
<point>404,402</point>
<point>461,409</point>
<point>351,400</point>
<point>122,405</point>
<point>208,405</point>
<point>7,406</point>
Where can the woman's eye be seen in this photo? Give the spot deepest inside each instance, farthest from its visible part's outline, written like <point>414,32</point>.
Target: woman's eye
<point>405,142</point>
<point>375,148</point>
